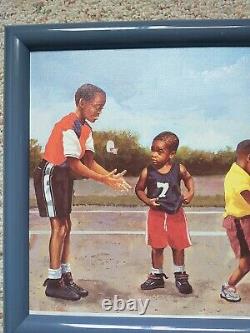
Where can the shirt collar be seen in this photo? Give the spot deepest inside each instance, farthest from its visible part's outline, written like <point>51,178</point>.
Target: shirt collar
<point>239,169</point>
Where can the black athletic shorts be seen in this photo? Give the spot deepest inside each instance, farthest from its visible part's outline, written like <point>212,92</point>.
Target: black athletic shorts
<point>54,189</point>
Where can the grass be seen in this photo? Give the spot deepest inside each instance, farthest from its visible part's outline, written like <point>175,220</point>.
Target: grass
<point>133,201</point>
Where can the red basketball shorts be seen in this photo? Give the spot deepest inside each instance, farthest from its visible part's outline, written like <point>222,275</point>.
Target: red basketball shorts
<point>238,232</point>
<point>167,230</point>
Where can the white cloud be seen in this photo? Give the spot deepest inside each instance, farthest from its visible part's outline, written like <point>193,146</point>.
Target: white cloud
<point>43,120</point>
<point>202,95</point>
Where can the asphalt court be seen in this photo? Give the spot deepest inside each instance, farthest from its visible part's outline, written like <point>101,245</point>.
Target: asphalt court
<point>109,257</point>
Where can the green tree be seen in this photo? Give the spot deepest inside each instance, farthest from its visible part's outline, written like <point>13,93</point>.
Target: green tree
<point>200,162</point>
<point>131,156</point>
<point>35,151</point>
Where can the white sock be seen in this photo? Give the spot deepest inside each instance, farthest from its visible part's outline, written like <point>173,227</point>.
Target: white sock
<point>156,270</point>
<point>54,273</point>
<point>179,269</point>
<point>65,268</point>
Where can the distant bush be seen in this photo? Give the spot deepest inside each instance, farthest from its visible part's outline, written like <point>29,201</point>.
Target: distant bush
<point>133,157</point>
<point>35,151</point>
<point>200,162</point>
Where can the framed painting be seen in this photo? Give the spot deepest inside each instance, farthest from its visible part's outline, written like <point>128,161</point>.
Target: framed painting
<point>189,78</point>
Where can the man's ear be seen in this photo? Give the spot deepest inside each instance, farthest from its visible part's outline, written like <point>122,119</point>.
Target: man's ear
<point>81,102</point>
<point>248,158</point>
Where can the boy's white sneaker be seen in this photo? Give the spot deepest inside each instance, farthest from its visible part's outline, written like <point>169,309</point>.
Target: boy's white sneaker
<point>229,293</point>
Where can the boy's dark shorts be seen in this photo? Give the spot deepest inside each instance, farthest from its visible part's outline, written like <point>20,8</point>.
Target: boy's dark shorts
<point>54,189</point>
<point>238,232</point>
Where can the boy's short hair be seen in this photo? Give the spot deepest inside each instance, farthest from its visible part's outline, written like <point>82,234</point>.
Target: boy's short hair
<point>243,148</point>
<point>171,140</point>
<point>87,91</point>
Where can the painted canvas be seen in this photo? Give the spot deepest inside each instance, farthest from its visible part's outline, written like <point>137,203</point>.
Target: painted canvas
<point>199,94</point>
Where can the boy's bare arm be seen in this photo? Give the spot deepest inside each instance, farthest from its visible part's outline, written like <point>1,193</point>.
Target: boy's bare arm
<point>140,190</point>
<point>189,184</point>
<point>110,179</point>
<point>246,196</point>
<point>99,169</point>
<point>88,158</point>
<point>89,161</point>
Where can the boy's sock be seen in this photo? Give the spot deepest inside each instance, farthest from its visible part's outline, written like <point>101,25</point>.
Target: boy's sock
<point>156,270</point>
<point>65,268</point>
<point>54,273</point>
<point>179,269</point>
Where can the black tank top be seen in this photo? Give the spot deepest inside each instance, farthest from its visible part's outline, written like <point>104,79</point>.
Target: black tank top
<point>165,187</point>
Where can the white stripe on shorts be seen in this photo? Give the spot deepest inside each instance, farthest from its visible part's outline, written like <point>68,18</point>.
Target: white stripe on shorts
<point>47,190</point>
<point>165,222</point>
<point>186,225</point>
<point>146,232</point>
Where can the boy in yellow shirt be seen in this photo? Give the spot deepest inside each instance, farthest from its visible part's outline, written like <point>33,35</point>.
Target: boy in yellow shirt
<point>237,218</point>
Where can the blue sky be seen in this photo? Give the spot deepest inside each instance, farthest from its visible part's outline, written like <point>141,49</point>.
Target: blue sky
<point>201,94</point>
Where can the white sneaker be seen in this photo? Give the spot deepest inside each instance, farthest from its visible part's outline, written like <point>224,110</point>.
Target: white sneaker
<point>229,293</point>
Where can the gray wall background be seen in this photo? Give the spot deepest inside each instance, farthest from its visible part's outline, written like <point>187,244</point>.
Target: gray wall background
<point>66,11</point>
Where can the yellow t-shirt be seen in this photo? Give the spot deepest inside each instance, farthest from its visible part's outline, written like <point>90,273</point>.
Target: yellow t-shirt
<point>236,181</point>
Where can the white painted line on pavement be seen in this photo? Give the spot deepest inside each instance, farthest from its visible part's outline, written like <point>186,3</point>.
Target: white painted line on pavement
<point>94,232</point>
<point>207,233</point>
<point>204,212</point>
<point>100,211</point>
<point>127,232</point>
<point>134,212</point>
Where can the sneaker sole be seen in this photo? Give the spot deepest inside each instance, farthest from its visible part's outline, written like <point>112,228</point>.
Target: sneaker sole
<point>152,288</point>
<point>185,293</point>
<point>67,299</point>
<point>230,300</point>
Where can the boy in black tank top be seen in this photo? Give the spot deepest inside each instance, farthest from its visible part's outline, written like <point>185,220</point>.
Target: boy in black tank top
<point>159,188</point>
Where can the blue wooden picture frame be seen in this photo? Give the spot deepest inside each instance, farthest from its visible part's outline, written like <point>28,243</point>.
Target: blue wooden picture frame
<point>20,41</point>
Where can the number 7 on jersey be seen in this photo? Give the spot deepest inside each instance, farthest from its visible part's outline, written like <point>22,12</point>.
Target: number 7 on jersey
<point>165,187</point>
